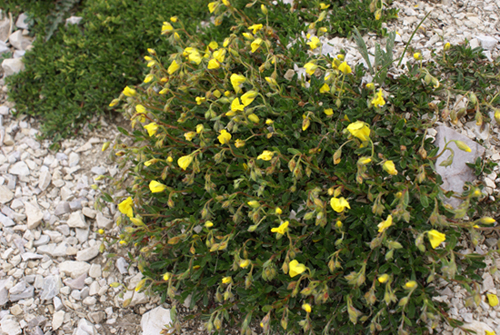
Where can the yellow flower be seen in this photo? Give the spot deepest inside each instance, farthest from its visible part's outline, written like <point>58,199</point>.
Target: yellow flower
<point>256,44</point>
<point>417,56</point>
<point>447,46</point>
<point>148,78</point>
<point>487,220</point>
<point>487,332</point>
<point>282,229</point>
<point>338,224</point>
<point>226,2</point>
<point>328,111</point>
<point>173,19</point>
<point>170,159</point>
<point>236,106</point>
<point>236,81</point>
<point>339,204</point>
<point>315,42</point>
<point>212,6</point>
<point>184,161</point>
<point>390,168</point>
<point>255,28</point>
<point>140,109</point>
<point>324,89</point>
<point>364,160</point>
<point>195,57</point>
<point>269,122</point>
<point>378,101</point>
<point>436,238</point>
<point>248,36</point>
<point>254,118</point>
<point>166,276</point>
<point>129,92</point>
<point>410,285</point>
<point>156,187</point>
<point>359,129</point>
<point>217,93</point>
<point>307,308</point>
<point>492,299</point>
<point>244,263</point>
<point>219,55</point>
<point>101,231</point>
<point>105,145</point>
<point>125,207</point>
<point>226,280</point>
<point>200,100</point>
<point>209,224</point>
<point>382,226</point>
<point>310,68</point>
<point>189,135</point>
<point>322,5</point>
<point>173,67</point>
<point>344,68</point>
<point>370,86</point>
<point>151,128</point>
<point>213,45</point>
<point>266,155</point>
<point>114,102</point>
<point>383,278</point>
<point>248,97</point>
<point>239,143</point>
<point>122,242</point>
<point>278,211</point>
<point>263,9</point>
<point>166,28</point>
<point>296,268</point>
<point>462,146</point>
<point>253,203</point>
<point>150,162</point>
<point>199,128</point>
<point>224,137</point>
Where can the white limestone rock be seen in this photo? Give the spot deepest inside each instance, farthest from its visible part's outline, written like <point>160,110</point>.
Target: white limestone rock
<point>154,321</point>
<point>6,195</point>
<point>34,215</point>
<point>77,220</point>
<point>74,268</point>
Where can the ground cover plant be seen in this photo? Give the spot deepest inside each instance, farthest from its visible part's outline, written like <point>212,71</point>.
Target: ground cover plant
<point>73,70</point>
<point>306,201</point>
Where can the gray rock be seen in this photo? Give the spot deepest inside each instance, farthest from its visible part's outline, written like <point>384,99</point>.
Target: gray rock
<point>30,255</point>
<point>121,265</point>
<point>44,239</point>
<point>85,328</point>
<point>77,283</point>
<point>57,304</point>
<point>10,326</point>
<point>6,221</point>
<point>62,208</point>
<point>21,21</point>
<point>77,220</point>
<point>98,170</point>
<point>74,268</point>
<point>18,288</point>
<point>88,212</point>
<point>4,29</point>
<point>3,47</point>
<point>84,293</point>
<point>82,235</point>
<point>51,287</point>
<point>53,249</point>
<point>6,195</point>
<point>75,205</point>
<point>12,66</point>
<point>19,54</point>
<point>66,194</point>
<point>37,321</point>
<point>4,296</point>
<point>44,180</point>
<point>26,294</point>
<point>487,42</point>
<point>88,254</point>
<point>20,168</point>
<point>103,222</point>
<point>34,215</point>
<point>455,175</point>
<point>57,320</point>
<point>18,41</point>
<point>154,321</point>
<point>95,271</point>
<point>74,159</point>
<point>97,317</point>
<point>63,229</point>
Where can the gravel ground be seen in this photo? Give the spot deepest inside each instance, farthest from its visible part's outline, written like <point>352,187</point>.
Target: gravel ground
<point>53,277</point>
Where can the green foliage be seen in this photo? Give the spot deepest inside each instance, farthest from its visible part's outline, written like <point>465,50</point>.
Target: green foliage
<point>305,203</point>
<point>69,78</point>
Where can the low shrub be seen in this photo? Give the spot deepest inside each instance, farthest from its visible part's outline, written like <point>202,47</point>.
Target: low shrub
<point>304,200</point>
<point>69,78</point>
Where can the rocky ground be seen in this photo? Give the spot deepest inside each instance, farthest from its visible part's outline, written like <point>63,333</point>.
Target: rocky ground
<point>54,279</point>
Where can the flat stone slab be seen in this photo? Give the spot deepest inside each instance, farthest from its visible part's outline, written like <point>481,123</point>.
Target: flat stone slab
<point>455,175</point>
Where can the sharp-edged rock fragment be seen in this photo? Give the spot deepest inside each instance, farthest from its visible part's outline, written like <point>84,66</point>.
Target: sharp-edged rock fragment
<point>34,215</point>
<point>154,321</point>
<point>77,220</point>
<point>74,268</point>
<point>6,195</point>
